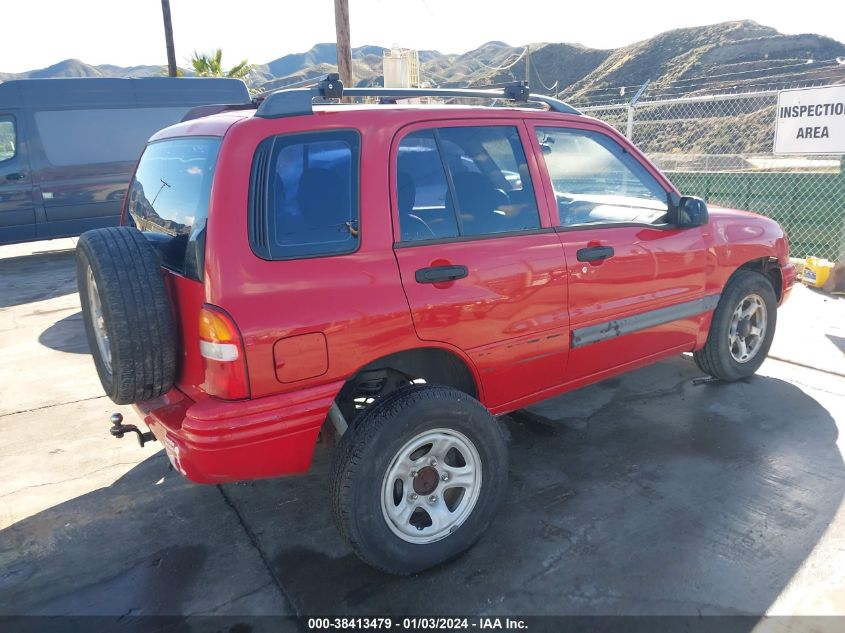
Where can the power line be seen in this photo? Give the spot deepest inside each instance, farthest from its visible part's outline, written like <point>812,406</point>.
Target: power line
<point>758,70</point>
<point>505,66</point>
<point>761,84</point>
<point>673,83</point>
<point>543,83</point>
<point>785,77</point>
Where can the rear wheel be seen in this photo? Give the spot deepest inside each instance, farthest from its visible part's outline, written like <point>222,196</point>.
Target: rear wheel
<point>742,329</point>
<point>418,478</point>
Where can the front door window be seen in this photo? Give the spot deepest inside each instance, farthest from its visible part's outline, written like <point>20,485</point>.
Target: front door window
<point>598,182</point>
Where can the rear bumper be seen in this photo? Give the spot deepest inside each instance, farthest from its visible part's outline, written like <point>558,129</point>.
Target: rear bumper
<point>214,441</point>
<point>788,277</point>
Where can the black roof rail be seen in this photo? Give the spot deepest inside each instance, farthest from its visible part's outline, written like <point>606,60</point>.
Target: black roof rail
<point>290,102</point>
<point>198,112</point>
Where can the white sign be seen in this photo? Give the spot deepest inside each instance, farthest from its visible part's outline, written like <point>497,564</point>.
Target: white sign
<point>811,121</point>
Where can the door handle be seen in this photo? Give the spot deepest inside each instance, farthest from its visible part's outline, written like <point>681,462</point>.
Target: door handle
<point>594,253</point>
<point>438,274</point>
<point>18,175</point>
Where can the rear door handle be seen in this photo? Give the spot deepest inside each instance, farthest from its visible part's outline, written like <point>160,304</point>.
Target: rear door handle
<point>594,253</point>
<point>19,175</point>
<point>438,274</point>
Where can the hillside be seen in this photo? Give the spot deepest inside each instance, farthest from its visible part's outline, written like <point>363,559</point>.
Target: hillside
<point>731,55</point>
<point>740,55</point>
<point>77,68</point>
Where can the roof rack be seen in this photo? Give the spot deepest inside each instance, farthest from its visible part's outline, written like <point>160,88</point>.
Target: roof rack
<point>293,101</point>
<point>198,112</point>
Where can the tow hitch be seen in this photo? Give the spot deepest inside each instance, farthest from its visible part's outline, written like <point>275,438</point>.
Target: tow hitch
<point>118,429</point>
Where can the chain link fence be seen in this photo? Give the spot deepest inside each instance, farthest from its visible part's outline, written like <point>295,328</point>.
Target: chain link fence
<point>720,148</point>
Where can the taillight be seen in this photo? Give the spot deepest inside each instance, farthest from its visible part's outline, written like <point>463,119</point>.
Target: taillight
<point>222,349</point>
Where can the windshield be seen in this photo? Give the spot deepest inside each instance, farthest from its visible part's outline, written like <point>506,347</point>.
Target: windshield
<point>169,196</point>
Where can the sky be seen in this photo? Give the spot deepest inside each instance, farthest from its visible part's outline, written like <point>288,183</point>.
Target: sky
<point>129,32</point>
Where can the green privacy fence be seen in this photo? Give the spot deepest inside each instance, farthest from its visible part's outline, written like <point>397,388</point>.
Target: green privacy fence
<point>810,206</point>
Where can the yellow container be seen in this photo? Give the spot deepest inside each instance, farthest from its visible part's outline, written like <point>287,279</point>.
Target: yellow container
<point>816,271</point>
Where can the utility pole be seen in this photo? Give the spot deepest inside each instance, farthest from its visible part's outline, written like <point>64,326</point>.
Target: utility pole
<point>344,50</point>
<point>168,38</point>
<point>528,64</point>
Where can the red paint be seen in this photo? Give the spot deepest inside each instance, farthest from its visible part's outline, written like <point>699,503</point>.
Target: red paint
<point>308,325</point>
<point>300,357</point>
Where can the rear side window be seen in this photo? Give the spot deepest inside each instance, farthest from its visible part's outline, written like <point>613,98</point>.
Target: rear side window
<point>463,182</point>
<point>169,196</point>
<point>8,138</point>
<point>304,195</point>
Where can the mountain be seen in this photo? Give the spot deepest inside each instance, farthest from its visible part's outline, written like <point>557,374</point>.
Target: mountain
<point>731,55</point>
<point>322,58</point>
<point>319,54</point>
<point>741,55</point>
<point>77,68</point>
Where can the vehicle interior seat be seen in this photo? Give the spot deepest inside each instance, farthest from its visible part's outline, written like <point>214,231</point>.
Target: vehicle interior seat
<point>411,225</point>
<point>479,201</point>
<point>323,202</point>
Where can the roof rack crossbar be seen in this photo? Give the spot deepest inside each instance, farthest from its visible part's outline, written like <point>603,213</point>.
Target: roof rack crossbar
<point>281,103</point>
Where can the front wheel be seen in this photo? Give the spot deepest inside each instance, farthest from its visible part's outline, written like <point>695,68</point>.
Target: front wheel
<point>418,478</point>
<point>742,329</point>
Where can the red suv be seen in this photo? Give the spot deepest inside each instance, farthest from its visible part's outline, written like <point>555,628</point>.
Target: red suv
<point>394,276</point>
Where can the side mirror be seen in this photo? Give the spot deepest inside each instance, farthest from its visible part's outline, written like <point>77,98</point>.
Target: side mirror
<point>691,211</point>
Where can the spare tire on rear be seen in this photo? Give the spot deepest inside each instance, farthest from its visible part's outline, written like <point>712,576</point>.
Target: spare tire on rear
<point>127,314</point>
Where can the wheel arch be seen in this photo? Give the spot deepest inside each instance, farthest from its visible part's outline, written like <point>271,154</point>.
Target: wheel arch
<point>769,268</point>
<point>436,364</point>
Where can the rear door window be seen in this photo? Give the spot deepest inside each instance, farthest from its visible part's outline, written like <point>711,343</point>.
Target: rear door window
<point>169,196</point>
<point>464,182</point>
<point>425,206</point>
<point>304,195</point>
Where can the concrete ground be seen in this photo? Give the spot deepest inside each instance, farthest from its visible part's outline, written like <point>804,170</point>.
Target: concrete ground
<point>652,493</point>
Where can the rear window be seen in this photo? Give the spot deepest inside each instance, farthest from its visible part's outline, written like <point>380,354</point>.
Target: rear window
<point>168,199</point>
<point>84,137</point>
<point>8,139</point>
<point>304,195</point>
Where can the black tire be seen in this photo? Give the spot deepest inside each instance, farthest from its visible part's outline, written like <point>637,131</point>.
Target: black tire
<point>366,451</point>
<point>136,314</point>
<point>715,358</point>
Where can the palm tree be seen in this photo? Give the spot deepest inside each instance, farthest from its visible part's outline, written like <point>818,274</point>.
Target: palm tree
<point>211,65</point>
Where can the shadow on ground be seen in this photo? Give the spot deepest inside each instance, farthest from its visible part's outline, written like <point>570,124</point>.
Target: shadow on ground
<point>649,494</point>
<point>839,341</point>
<point>151,544</point>
<point>66,335</point>
<point>825,295</point>
<point>37,277</point>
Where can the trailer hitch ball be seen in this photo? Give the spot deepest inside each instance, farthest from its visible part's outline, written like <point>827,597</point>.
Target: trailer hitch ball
<point>119,429</point>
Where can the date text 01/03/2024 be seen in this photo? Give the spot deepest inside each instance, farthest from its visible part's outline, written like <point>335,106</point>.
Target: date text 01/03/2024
<point>416,624</point>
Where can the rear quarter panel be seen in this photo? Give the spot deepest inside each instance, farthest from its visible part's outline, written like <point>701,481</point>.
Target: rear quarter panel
<point>355,300</point>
